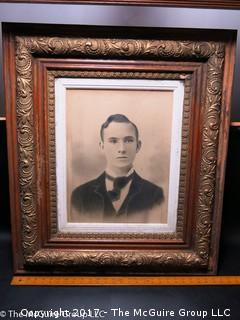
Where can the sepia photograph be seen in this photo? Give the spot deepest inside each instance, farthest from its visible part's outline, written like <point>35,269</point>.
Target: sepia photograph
<point>121,146</point>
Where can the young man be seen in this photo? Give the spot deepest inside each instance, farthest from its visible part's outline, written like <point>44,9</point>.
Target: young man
<point>119,194</point>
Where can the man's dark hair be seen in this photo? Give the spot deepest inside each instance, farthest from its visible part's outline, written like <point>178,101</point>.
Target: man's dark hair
<point>117,118</point>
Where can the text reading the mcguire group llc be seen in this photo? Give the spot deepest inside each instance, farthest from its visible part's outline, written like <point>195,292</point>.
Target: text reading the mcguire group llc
<point>118,313</point>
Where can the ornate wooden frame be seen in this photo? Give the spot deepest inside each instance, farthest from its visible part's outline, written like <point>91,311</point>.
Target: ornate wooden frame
<point>33,58</point>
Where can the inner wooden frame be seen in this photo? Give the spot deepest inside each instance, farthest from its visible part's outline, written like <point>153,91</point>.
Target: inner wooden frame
<point>205,66</point>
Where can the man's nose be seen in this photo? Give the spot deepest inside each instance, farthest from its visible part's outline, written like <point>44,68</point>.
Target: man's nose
<point>121,147</point>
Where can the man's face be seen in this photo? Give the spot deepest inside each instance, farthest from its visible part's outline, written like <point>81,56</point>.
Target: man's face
<point>120,145</point>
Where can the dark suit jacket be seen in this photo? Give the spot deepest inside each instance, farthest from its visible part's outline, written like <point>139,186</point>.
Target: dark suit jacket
<point>92,202</point>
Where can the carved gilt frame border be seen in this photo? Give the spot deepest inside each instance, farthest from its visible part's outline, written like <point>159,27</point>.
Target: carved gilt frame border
<point>194,259</point>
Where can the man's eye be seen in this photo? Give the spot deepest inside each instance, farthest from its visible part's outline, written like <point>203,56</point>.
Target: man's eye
<point>113,140</point>
<point>129,140</point>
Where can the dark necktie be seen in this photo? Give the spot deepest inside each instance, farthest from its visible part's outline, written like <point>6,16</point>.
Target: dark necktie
<point>118,184</point>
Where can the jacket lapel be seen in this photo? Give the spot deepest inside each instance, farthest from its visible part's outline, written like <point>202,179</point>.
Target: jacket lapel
<point>134,190</point>
<point>99,185</point>
<point>101,191</point>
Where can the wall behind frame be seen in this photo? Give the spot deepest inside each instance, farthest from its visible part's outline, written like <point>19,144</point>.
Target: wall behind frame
<point>124,16</point>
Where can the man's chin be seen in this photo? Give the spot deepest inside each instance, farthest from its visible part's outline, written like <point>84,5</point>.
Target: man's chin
<point>123,166</point>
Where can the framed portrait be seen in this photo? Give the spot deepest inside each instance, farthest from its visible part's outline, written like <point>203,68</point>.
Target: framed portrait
<point>117,141</point>
<point>80,102</point>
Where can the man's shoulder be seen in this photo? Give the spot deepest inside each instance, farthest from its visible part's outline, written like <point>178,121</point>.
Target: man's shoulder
<point>147,193</point>
<point>88,186</point>
<point>149,187</point>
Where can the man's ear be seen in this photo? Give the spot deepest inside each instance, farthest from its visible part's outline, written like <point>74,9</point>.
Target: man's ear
<point>139,144</point>
<point>101,145</point>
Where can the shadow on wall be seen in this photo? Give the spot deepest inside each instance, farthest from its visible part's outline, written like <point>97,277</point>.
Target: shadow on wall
<point>230,240</point>
<point>4,185</point>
